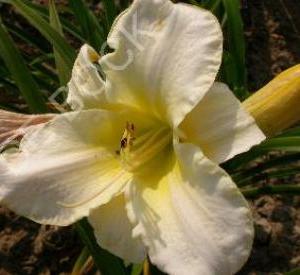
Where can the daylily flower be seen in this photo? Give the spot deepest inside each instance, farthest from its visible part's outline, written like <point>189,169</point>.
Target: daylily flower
<point>140,154</point>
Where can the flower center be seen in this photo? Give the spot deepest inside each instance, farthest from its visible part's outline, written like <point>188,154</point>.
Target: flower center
<point>136,152</point>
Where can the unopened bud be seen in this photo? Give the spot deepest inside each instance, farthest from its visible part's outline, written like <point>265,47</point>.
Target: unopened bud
<point>276,106</point>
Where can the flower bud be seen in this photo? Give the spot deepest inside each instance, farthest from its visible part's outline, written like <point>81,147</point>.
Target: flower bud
<point>276,106</point>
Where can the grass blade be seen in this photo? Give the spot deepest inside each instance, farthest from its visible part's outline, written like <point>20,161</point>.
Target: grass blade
<point>110,11</point>
<point>137,269</point>
<point>276,174</point>
<point>288,144</point>
<point>211,5</point>
<point>284,143</point>
<point>43,12</point>
<point>63,70</point>
<point>20,73</point>
<point>66,52</point>
<point>36,42</point>
<point>272,190</point>
<point>273,163</point>
<point>236,44</point>
<point>90,28</point>
<point>80,262</point>
<point>291,132</point>
<point>293,272</point>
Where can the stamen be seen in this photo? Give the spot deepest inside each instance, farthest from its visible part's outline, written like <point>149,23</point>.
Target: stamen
<point>137,151</point>
<point>128,136</point>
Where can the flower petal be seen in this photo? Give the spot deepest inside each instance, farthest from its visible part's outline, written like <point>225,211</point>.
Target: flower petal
<point>220,125</point>
<point>64,168</point>
<point>113,231</point>
<point>166,58</point>
<point>14,125</point>
<point>86,87</point>
<point>193,220</point>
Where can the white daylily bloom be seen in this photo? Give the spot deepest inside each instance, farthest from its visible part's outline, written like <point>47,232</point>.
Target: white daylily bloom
<point>143,164</point>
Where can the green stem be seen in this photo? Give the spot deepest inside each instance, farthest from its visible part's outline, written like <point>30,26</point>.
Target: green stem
<point>272,190</point>
<point>84,255</point>
<point>107,263</point>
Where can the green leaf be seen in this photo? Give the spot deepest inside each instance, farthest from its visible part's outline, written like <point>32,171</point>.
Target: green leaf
<point>36,42</point>
<point>236,46</point>
<point>43,12</point>
<point>66,52</point>
<point>194,2</point>
<point>64,71</point>
<point>293,272</point>
<point>90,28</point>
<point>252,174</point>
<point>288,144</point>
<point>277,174</point>
<point>291,132</point>
<point>107,263</point>
<point>20,73</point>
<point>111,12</point>
<point>41,59</point>
<point>137,269</point>
<point>272,190</point>
<point>212,5</point>
<point>80,262</point>
<point>124,4</point>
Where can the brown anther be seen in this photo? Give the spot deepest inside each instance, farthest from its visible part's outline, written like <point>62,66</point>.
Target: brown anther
<point>123,143</point>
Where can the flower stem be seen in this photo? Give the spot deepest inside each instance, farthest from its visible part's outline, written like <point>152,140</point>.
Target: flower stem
<point>80,262</point>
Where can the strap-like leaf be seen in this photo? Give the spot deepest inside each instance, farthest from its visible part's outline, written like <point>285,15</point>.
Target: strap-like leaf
<point>236,44</point>
<point>110,11</point>
<point>20,73</point>
<point>293,190</point>
<point>293,272</point>
<point>90,28</point>
<point>66,52</point>
<point>64,71</point>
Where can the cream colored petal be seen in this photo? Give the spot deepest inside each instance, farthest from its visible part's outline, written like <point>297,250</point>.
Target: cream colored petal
<point>166,58</point>
<point>193,220</point>
<point>64,168</point>
<point>86,87</point>
<point>221,126</point>
<point>113,231</point>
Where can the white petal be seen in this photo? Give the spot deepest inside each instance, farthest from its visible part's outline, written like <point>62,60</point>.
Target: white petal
<point>166,58</point>
<point>64,168</point>
<point>220,125</point>
<point>193,220</point>
<point>86,87</point>
<point>113,231</point>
